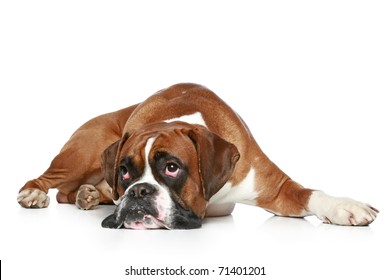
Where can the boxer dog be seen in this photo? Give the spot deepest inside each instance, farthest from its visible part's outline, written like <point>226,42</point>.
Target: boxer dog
<point>177,157</point>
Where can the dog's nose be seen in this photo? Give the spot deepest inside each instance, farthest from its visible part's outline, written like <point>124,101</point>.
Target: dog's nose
<point>141,190</point>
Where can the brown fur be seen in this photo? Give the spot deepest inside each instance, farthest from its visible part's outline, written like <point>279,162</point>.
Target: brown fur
<point>79,161</point>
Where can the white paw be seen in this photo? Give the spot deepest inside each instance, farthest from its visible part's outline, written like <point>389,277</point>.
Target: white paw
<point>341,210</point>
<point>33,198</point>
<point>87,197</point>
<point>349,212</point>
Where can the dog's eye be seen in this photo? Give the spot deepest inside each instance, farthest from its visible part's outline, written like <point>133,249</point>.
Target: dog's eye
<point>172,170</point>
<point>124,173</point>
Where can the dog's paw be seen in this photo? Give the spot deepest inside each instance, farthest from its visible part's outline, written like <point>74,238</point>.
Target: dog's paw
<point>349,212</point>
<point>33,198</point>
<point>341,211</point>
<point>87,197</point>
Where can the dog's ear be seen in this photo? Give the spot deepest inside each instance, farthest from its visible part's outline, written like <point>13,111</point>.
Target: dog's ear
<point>109,164</point>
<point>216,158</point>
<point>108,159</point>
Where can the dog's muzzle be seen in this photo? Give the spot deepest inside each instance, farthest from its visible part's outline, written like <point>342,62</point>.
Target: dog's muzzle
<point>138,209</point>
<point>147,206</point>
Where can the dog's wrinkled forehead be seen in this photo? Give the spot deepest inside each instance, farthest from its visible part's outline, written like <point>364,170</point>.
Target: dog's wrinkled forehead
<point>165,134</point>
<point>144,145</point>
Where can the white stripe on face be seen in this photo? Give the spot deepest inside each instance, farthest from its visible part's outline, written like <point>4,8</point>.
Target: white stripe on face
<point>163,201</point>
<point>147,176</point>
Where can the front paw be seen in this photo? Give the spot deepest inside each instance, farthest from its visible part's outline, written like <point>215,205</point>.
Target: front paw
<point>349,212</point>
<point>33,198</point>
<point>341,210</point>
<point>87,197</point>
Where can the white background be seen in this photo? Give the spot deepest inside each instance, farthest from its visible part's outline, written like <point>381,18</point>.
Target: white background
<point>311,80</point>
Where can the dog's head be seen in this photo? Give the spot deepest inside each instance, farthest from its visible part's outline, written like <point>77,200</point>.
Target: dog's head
<point>163,175</point>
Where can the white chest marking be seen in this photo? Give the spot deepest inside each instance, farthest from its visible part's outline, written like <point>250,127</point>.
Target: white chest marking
<point>195,118</point>
<point>244,192</point>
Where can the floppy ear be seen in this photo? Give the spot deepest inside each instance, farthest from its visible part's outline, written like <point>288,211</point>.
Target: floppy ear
<point>108,160</point>
<point>216,157</point>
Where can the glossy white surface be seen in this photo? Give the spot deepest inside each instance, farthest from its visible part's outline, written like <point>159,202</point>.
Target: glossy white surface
<point>63,241</point>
